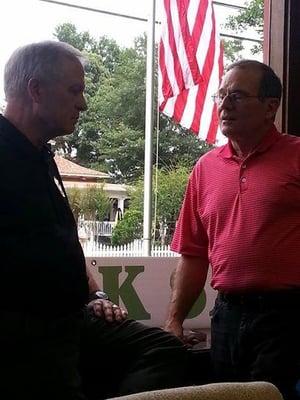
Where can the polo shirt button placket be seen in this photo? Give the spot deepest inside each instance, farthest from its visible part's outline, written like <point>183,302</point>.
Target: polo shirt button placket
<point>243,183</point>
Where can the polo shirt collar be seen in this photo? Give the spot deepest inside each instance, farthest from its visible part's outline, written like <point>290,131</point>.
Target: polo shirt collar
<point>21,143</point>
<point>268,140</point>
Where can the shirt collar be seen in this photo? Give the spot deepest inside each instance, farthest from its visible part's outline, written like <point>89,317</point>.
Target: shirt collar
<point>21,143</point>
<point>268,140</point>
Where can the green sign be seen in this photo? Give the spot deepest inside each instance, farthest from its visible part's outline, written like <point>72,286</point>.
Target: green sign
<point>127,293</point>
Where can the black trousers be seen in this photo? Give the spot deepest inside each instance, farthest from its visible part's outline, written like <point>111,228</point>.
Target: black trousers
<point>257,338</point>
<point>39,357</point>
<point>80,357</point>
<point>118,359</point>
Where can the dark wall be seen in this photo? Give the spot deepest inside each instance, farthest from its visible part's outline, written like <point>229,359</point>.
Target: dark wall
<point>282,53</point>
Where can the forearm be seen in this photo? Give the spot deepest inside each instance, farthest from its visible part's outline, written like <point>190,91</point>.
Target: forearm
<point>190,277</point>
<point>93,285</point>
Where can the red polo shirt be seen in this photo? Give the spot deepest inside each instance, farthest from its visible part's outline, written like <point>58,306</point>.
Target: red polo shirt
<point>243,216</point>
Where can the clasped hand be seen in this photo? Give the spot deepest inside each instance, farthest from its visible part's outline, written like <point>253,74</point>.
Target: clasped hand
<point>107,310</point>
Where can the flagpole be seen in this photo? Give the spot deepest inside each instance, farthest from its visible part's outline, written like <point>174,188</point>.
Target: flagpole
<point>149,132</point>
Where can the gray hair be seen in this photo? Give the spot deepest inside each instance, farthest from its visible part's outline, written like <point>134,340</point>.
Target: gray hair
<point>37,60</point>
<point>270,85</point>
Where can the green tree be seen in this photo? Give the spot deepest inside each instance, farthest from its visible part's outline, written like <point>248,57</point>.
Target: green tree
<point>233,49</point>
<point>250,17</point>
<point>171,187</point>
<point>122,96</point>
<point>95,203</point>
<point>92,202</point>
<point>68,33</point>
<point>129,228</point>
<point>110,135</point>
<point>85,135</point>
<point>105,47</point>
<point>178,146</point>
<point>120,151</point>
<point>74,197</point>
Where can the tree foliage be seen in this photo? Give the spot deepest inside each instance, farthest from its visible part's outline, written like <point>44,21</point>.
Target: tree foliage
<point>110,135</point>
<point>91,202</point>
<point>171,184</point>
<point>233,49</point>
<point>250,17</point>
<point>129,228</point>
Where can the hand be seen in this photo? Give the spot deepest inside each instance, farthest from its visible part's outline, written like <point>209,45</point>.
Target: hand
<point>175,328</point>
<point>192,338</point>
<point>107,310</point>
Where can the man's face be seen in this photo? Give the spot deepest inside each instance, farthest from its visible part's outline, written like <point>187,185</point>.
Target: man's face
<point>63,100</point>
<point>245,113</point>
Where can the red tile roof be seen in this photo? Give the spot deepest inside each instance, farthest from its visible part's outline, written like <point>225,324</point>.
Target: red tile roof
<point>68,169</point>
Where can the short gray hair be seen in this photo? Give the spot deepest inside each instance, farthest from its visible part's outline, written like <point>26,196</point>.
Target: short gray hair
<point>270,85</point>
<point>37,60</point>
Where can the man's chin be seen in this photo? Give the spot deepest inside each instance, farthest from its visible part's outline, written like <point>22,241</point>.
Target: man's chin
<point>69,129</point>
<point>226,133</point>
<point>65,132</point>
<point>229,133</point>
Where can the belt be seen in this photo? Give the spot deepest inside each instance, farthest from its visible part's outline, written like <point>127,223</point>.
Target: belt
<point>272,298</point>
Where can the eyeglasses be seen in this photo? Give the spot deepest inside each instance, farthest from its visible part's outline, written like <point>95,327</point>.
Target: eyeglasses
<point>234,97</point>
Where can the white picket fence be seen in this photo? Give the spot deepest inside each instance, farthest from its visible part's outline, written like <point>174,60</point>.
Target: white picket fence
<point>95,228</point>
<point>135,249</point>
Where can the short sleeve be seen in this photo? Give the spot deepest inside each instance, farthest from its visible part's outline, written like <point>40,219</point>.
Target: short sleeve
<point>190,237</point>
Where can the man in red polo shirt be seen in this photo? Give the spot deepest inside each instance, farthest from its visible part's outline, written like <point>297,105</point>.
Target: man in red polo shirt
<point>241,215</point>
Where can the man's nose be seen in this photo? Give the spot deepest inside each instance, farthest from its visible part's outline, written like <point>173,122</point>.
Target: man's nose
<point>226,103</point>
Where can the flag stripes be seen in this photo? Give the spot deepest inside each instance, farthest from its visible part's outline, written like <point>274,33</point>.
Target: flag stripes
<point>190,65</point>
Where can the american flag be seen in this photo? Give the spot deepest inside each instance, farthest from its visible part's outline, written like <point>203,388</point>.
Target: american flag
<point>190,65</point>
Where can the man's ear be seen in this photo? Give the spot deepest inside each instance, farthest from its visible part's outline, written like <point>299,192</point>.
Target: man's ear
<point>34,90</point>
<point>272,107</point>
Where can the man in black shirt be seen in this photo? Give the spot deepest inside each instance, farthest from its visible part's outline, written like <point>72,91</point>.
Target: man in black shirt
<point>54,344</point>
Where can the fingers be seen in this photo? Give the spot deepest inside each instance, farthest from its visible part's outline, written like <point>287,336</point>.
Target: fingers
<point>118,313</point>
<point>108,310</point>
<point>97,307</point>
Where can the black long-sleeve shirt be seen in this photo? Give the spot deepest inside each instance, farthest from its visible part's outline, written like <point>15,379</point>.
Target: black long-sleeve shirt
<point>42,266</point>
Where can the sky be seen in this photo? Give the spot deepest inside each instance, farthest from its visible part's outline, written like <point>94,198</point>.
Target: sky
<point>26,21</point>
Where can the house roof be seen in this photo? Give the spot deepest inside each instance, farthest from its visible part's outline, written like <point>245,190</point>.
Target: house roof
<point>68,169</point>
<point>113,190</point>
<point>116,187</point>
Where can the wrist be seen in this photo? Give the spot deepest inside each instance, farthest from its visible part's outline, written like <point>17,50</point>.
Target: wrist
<point>98,294</point>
